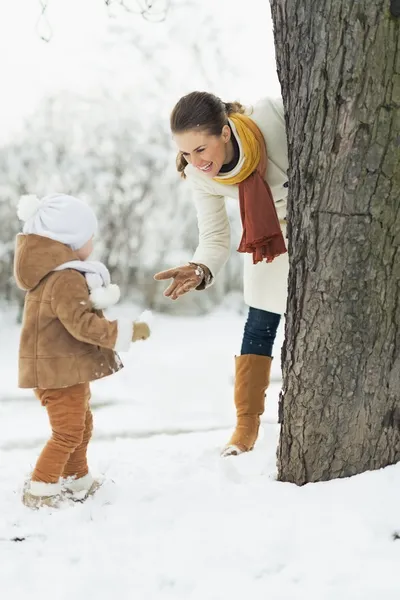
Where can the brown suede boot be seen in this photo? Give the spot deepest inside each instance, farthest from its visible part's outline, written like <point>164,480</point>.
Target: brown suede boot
<point>251,381</point>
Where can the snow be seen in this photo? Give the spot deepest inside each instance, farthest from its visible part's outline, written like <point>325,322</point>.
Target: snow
<point>173,520</point>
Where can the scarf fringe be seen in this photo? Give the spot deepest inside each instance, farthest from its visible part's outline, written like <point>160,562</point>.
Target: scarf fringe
<point>266,248</point>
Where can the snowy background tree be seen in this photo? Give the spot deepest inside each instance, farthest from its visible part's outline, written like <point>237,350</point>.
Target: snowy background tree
<point>101,131</point>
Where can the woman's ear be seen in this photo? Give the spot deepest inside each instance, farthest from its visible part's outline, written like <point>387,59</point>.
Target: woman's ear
<point>226,133</point>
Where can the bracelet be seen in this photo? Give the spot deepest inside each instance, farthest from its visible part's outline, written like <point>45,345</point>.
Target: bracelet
<point>205,277</point>
<point>199,271</point>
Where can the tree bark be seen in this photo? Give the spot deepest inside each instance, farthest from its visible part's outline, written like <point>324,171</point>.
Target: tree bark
<point>339,67</point>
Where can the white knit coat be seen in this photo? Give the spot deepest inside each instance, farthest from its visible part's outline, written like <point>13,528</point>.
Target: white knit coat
<point>265,284</point>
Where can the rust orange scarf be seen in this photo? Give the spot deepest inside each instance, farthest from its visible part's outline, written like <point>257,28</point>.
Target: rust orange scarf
<point>262,235</point>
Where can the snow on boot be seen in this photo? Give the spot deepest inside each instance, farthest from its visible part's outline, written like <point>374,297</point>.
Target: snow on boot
<point>231,450</point>
<point>37,494</point>
<point>80,489</point>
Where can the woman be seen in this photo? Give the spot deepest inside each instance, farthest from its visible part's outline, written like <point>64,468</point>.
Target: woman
<point>227,151</point>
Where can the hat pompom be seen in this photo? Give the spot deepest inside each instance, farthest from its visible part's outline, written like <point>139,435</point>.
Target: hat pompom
<point>104,297</point>
<point>28,206</point>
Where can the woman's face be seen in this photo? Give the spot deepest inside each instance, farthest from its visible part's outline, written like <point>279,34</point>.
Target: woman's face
<point>204,151</point>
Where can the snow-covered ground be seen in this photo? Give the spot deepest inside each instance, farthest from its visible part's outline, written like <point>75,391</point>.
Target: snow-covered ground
<point>173,519</point>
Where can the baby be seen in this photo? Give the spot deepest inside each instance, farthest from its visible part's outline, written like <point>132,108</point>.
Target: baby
<point>66,342</point>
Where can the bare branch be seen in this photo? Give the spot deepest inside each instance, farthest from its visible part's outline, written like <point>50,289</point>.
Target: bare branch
<point>151,10</point>
<point>43,26</point>
<point>154,11</point>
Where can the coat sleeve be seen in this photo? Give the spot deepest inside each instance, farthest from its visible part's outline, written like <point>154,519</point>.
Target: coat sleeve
<point>278,104</point>
<point>71,304</point>
<point>213,249</point>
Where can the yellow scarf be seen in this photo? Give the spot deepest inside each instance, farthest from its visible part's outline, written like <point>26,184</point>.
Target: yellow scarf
<point>262,235</point>
<point>254,150</point>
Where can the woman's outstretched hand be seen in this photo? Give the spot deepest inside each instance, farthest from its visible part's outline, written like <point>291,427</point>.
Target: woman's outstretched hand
<point>184,279</point>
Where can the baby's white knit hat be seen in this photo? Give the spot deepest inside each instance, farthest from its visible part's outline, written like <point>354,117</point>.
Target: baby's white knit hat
<point>59,217</point>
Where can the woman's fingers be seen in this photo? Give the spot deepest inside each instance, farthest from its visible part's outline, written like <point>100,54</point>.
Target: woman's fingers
<point>162,275</point>
<point>184,287</point>
<point>179,291</point>
<point>171,288</point>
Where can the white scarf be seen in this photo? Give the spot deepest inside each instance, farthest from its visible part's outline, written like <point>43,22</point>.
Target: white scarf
<point>103,293</point>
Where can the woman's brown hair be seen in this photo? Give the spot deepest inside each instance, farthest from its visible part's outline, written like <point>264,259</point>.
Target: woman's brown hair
<point>201,111</point>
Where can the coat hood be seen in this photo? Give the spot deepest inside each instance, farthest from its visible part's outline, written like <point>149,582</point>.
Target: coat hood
<point>37,256</point>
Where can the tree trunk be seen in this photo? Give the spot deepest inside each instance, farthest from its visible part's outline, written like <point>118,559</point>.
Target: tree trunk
<point>339,67</point>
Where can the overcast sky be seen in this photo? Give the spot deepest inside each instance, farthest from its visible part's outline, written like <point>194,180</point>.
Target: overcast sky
<point>75,57</point>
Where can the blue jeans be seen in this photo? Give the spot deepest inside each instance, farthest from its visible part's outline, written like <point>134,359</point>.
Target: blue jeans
<point>260,332</point>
